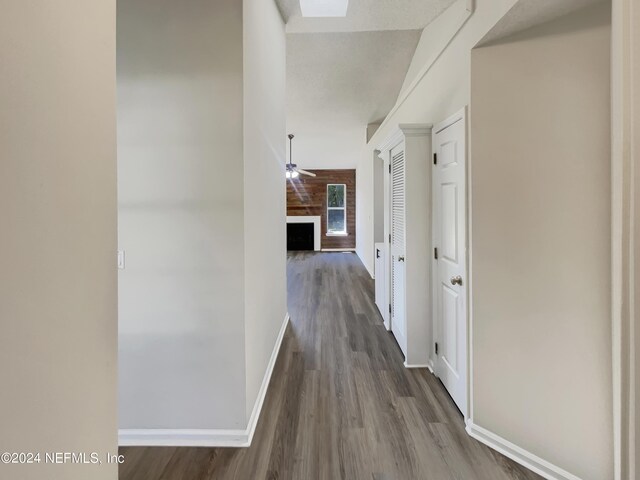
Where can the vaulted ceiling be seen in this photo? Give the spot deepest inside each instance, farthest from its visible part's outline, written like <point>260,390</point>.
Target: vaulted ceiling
<point>344,73</point>
<point>528,13</point>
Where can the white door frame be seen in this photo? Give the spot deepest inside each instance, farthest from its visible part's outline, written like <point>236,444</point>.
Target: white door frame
<point>386,157</point>
<point>461,115</point>
<point>386,190</point>
<point>416,139</point>
<point>625,235</point>
<point>397,265</point>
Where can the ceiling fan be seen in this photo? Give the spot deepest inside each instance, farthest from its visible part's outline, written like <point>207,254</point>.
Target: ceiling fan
<point>292,169</point>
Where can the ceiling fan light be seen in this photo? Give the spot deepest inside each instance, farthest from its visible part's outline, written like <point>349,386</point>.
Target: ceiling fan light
<point>288,173</point>
<point>295,174</point>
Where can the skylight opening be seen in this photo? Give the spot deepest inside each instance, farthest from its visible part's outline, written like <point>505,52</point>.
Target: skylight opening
<point>324,8</point>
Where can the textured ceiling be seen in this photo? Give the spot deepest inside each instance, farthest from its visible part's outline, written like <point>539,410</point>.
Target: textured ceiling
<point>343,73</point>
<point>366,16</point>
<point>337,83</point>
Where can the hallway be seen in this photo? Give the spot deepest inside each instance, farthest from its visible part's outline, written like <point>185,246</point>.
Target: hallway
<point>340,405</point>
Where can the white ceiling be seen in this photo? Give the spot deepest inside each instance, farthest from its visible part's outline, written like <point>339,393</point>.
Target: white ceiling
<point>343,73</point>
<point>338,83</point>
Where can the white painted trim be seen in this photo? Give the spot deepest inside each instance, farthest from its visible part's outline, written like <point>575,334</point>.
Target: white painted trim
<point>317,227</point>
<point>380,297</point>
<point>262,393</point>
<point>460,116</point>
<point>399,134</point>
<point>178,437</point>
<point>517,454</point>
<point>430,366</point>
<point>389,144</point>
<point>455,118</point>
<point>415,129</point>
<point>160,437</point>
<point>470,323</point>
<point>339,250</point>
<point>625,133</point>
<point>408,365</point>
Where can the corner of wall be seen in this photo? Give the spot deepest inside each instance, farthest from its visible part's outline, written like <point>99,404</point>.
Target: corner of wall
<point>264,130</point>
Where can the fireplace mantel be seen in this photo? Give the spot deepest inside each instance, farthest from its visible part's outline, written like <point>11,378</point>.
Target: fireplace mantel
<point>317,227</point>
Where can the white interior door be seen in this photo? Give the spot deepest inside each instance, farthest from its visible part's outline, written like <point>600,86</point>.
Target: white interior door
<point>450,271</point>
<point>398,303</point>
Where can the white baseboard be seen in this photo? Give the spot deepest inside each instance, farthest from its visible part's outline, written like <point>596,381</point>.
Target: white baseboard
<point>157,437</point>
<point>409,365</point>
<point>350,250</point>
<point>371,272</point>
<point>262,393</point>
<point>517,454</point>
<point>207,437</point>
<point>431,367</point>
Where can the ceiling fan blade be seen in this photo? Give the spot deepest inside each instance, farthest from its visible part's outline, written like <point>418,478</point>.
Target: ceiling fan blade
<point>304,172</point>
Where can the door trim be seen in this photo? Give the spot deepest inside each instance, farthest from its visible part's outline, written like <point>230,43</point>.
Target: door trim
<point>625,232</point>
<point>384,152</point>
<point>461,115</point>
<point>401,320</point>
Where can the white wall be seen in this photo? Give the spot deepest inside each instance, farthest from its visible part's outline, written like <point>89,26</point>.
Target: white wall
<point>418,248</point>
<point>370,195</point>
<point>541,199</point>
<point>433,40</point>
<point>265,189</point>
<point>443,91</point>
<point>378,199</point>
<point>58,208</point>
<point>201,139</point>
<point>181,222</point>
<point>365,214</point>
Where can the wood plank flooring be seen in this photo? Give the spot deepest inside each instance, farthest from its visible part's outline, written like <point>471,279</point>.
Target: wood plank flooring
<point>340,404</point>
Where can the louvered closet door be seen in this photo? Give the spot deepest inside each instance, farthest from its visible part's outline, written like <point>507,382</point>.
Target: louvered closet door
<point>398,230</point>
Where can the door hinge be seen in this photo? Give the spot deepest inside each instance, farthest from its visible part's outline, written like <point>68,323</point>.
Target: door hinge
<point>436,348</point>
<point>435,253</point>
<point>389,168</point>
<point>389,308</point>
<point>435,158</point>
<point>389,238</point>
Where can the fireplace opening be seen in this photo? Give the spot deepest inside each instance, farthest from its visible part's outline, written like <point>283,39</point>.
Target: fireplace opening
<point>300,236</point>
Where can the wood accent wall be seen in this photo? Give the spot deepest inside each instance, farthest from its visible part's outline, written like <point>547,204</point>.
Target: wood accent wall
<point>308,196</point>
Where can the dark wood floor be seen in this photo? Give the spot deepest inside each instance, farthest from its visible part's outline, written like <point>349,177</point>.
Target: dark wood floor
<point>340,404</point>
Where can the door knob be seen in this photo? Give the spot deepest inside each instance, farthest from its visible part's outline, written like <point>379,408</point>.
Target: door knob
<point>457,280</point>
<point>401,259</point>
<point>377,253</point>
